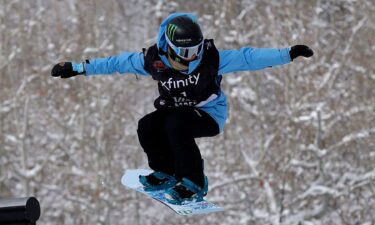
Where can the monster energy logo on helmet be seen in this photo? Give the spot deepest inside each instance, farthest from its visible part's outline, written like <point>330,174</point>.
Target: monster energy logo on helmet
<point>182,31</point>
<point>171,30</point>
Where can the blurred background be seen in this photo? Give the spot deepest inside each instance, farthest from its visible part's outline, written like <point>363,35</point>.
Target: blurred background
<point>298,148</point>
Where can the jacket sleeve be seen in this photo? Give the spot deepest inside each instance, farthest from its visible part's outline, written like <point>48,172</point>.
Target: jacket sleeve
<point>249,59</point>
<point>126,62</point>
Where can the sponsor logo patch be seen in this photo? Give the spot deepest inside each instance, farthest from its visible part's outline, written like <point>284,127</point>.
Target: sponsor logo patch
<point>159,65</point>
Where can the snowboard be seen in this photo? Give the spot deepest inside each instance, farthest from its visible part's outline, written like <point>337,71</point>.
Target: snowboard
<point>131,180</point>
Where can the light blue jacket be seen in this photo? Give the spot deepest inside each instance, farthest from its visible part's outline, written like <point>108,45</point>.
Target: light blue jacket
<point>244,59</point>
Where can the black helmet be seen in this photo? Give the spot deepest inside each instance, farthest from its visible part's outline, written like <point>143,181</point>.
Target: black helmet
<point>184,37</point>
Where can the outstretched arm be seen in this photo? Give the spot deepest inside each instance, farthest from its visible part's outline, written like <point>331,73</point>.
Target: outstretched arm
<point>127,62</point>
<point>248,59</point>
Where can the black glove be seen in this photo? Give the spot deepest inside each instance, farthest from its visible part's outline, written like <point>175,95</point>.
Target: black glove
<point>65,70</point>
<point>161,102</point>
<point>300,50</point>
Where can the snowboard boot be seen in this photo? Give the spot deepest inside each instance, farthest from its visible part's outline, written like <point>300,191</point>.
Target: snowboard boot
<point>157,181</point>
<point>186,191</point>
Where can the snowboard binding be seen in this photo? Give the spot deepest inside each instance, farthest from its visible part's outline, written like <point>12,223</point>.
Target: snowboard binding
<point>186,191</point>
<point>157,181</point>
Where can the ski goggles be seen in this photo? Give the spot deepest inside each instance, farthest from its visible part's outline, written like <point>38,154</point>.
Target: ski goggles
<point>186,53</point>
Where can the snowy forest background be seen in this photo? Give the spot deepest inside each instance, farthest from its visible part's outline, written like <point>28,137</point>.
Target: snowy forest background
<point>299,146</point>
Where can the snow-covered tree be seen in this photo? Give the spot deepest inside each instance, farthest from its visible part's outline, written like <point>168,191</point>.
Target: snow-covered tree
<point>298,147</point>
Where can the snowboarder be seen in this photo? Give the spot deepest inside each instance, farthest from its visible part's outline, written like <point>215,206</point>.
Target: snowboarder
<point>188,69</point>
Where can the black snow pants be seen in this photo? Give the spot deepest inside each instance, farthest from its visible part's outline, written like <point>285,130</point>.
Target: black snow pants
<point>167,137</point>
